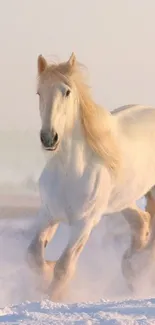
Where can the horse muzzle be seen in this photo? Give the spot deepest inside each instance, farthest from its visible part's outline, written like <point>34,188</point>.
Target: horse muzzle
<point>49,140</point>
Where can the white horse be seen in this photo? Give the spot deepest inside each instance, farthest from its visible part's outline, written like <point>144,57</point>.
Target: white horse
<point>100,163</point>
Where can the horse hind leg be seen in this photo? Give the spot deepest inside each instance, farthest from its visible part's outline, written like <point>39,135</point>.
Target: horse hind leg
<point>150,202</point>
<point>139,222</point>
<point>150,208</point>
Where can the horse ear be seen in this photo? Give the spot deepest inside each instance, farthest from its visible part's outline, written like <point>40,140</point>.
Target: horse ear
<point>42,64</point>
<point>72,60</point>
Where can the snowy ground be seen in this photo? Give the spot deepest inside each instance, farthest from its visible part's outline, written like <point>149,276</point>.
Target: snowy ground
<point>45,312</point>
<point>97,295</point>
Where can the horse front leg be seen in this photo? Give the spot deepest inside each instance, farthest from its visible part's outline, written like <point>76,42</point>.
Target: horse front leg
<point>66,265</point>
<point>36,249</point>
<point>35,252</point>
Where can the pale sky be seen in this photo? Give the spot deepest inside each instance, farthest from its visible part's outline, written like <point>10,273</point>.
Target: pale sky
<point>115,39</point>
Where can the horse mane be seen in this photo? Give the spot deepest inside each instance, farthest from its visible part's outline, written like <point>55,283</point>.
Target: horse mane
<point>97,123</point>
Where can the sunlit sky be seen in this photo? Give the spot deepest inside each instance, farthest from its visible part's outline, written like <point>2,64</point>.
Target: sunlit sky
<point>114,39</point>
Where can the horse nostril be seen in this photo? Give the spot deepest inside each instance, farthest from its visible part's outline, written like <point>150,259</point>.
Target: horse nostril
<point>44,138</point>
<point>55,139</point>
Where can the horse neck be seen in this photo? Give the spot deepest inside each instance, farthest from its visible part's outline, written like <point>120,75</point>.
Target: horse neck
<point>75,154</point>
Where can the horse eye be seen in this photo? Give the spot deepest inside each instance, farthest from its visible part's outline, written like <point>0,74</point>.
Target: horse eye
<point>67,92</point>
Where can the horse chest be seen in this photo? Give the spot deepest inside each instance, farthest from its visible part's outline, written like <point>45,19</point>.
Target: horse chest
<point>69,196</point>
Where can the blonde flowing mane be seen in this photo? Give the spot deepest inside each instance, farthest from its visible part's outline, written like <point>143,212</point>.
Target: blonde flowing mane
<point>97,123</point>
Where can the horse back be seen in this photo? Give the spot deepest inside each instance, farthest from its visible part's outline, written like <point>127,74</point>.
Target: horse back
<point>135,120</point>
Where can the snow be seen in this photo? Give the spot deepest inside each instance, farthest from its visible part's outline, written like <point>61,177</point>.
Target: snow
<point>130,312</point>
